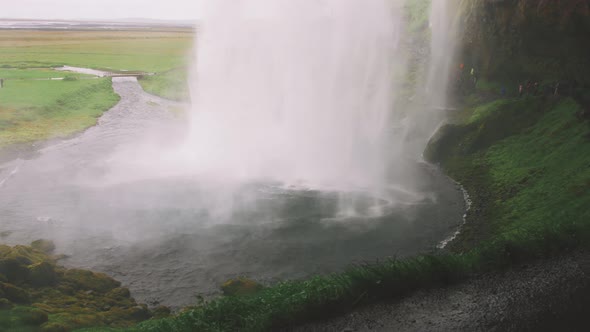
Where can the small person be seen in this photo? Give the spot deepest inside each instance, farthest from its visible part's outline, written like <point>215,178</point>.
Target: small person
<point>503,91</point>
<point>520,90</point>
<point>1,83</point>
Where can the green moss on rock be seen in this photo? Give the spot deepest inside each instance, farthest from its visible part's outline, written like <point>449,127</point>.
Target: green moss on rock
<point>42,245</point>
<point>30,316</point>
<point>62,299</point>
<point>240,286</point>
<point>54,327</point>
<point>41,274</point>
<point>15,294</point>
<point>13,270</point>
<point>161,312</point>
<point>88,280</point>
<point>119,292</point>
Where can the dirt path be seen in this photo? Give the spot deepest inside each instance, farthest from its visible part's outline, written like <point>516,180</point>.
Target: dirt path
<point>552,295</point>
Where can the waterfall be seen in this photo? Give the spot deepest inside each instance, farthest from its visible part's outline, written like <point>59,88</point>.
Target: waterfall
<point>297,92</point>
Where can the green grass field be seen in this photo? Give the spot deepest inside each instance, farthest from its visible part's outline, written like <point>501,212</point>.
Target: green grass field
<point>38,110</point>
<point>119,50</point>
<point>38,73</point>
<point>32,109</point>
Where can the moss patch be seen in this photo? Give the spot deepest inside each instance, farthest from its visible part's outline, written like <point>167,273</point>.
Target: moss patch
<point>240,286</point>
<point>38,295</point>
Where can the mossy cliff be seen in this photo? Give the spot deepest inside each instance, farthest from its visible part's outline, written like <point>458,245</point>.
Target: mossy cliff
<point>526,163</point>
<point>36,294</point>
<point>516,40</point>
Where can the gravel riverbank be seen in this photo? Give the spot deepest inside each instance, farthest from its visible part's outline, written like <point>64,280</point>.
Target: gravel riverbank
<point>549,295</point>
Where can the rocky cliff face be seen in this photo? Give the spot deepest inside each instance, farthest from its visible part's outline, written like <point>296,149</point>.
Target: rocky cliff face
<point>515,40</point>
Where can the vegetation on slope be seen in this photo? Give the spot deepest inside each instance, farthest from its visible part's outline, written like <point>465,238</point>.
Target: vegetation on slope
<point>510,155</point>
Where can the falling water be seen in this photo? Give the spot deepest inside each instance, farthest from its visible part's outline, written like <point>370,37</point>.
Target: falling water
<point>297,92</point>
<point>443,42</point>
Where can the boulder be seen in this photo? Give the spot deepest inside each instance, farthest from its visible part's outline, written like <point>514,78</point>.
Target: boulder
<point>88,280</point>
<point>45,246</point>
<point>240,286</point>
<point>41,274</point>
<point>140,313</point>
<point>13,270</point>
<point>119,292</point>
<point>14,294</point>
<point>161,312</point>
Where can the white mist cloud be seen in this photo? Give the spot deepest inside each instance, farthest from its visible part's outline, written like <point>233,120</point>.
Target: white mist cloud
<point>100,9</point>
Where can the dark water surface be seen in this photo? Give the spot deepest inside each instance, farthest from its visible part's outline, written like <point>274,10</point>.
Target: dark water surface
<point>162,239</point>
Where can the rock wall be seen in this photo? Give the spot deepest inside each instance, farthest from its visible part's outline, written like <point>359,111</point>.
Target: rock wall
<point>516,40</point>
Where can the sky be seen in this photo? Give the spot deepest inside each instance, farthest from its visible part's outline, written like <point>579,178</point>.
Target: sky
<point>100,9</point>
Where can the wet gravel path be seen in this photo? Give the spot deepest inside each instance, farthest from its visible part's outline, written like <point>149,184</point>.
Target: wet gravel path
<point>551,295</point>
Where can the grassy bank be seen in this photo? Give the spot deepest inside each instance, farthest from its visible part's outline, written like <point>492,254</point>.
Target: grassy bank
<point>526,164</point>
<point>171,84</point>
<point>33,110</point>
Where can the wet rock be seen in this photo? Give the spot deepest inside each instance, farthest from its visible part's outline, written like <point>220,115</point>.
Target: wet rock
<point>140,313</point>
<point>66,289</point>
<point>240,286</point>
<point>14,294</point>
<point>13,270</point>
<point>161,312</point>
<point>88,280</point>
<point>41,274</point>
<point>45,246</point>
<point>119,292</point>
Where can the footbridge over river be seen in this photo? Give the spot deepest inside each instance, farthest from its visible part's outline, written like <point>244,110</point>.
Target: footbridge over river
<point>104,73</point>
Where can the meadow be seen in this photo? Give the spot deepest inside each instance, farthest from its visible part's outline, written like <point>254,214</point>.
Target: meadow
<point>151,51</point>
<point>33,107</point>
